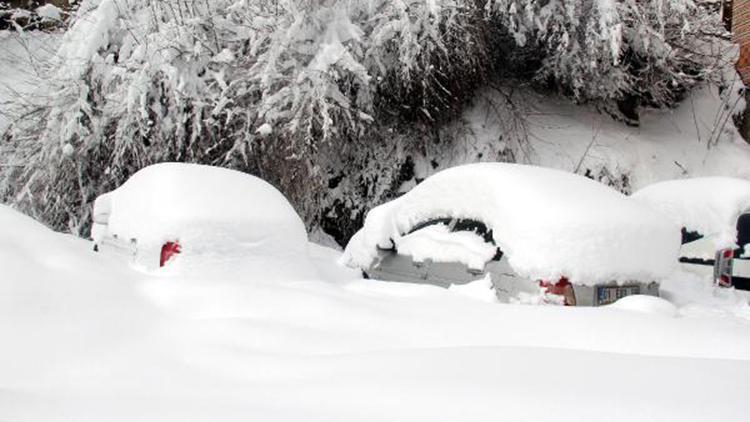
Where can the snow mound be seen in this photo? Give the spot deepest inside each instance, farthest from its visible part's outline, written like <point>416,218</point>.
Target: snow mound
<point>202,207</point>
<point>708,205</point>
<point>481,290</point>
<point>549,223</point>
<point>646,304</point>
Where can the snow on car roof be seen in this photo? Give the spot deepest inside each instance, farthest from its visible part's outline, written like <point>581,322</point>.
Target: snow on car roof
<point>549,223</point>
<point>708,205</point>
<point>200,205</point>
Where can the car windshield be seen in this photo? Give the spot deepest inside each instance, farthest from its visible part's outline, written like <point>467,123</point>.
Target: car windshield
<point>743,231</point>
<point>690,236</point>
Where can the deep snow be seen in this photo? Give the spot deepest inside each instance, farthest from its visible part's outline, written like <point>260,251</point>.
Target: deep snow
<point>87,339</point>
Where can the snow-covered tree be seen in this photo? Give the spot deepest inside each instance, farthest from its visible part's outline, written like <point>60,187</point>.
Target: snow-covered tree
<point>307,92</point>
<point>615,49</point>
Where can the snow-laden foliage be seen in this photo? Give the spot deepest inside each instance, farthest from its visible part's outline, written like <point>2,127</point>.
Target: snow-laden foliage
<point>324,98</point>
<point>651,50</point>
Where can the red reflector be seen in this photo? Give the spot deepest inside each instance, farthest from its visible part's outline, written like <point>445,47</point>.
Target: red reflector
<point>727,253</point>
<point>725,281</point>
<point>561,288</point>
<point>168,250</point>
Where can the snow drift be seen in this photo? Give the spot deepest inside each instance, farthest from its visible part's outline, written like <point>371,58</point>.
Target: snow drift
<point>203,207</point>
<point>549,223</point>
<point>87,339</point>
<point>708,205</point>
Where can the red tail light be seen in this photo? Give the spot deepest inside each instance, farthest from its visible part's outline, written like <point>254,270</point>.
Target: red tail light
<point>723,267</point>
<point>168,250</point>
<point>562,288</point>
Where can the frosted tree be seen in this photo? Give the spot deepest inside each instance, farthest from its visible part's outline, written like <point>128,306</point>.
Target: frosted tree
<point>427,56</point>
<point>607,49</point>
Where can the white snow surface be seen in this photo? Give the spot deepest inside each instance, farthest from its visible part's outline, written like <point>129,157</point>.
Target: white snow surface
<point>204,208</point>
<point>708,205</point>
<point>648,304</point>
<point>482,290</point>
<point>87,339</point>
<point>549,223</point>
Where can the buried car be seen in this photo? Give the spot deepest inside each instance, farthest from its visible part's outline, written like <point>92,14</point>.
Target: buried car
<point>172,209</point>
<point>714,214</point>
<point>540,235</point>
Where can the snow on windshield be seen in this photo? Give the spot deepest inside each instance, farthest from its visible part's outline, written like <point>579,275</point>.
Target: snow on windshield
<point>549,223</point>
<point>707,205</point>
<point>439,244</point>
<point>200,205</point>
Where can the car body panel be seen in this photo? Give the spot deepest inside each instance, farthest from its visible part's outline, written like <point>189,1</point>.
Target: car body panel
<point>699,257</point>
<point>509,286</point>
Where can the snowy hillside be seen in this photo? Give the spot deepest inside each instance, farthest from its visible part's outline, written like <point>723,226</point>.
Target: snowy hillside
<point>697,138</point>
<point>88,339</point>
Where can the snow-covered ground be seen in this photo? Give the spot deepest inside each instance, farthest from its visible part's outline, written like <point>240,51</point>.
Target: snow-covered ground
<point>86,338</point>
<point>695,139</point>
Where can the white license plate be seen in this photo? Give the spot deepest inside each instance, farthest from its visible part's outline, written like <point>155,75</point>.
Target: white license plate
<point>610,294</point>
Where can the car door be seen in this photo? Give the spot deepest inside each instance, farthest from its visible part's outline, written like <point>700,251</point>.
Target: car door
<point>697,253</point>
<point>391,266</point>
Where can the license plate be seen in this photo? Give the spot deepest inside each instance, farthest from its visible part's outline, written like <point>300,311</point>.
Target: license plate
<point>610,294</point>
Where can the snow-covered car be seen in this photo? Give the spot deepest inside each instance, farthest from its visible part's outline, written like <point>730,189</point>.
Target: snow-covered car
<point>540,235</point>
<point>714,214</point>
<point>172,209</point>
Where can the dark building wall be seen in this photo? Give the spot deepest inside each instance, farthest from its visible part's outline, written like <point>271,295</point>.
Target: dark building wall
<point>741,35</point>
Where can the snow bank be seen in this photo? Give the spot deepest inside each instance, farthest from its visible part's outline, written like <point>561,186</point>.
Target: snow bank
<point>87,339</point>
<point>549,223</point>
<point>205,208</point>
<point>708,205</point>
<point>646,304</point>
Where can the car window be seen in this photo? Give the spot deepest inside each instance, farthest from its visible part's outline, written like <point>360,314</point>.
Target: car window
<point>690,236</point>
<point>420,226</point>
<point>743,230</point>
<point>459,225</point>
